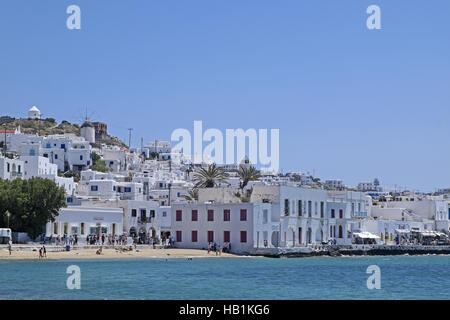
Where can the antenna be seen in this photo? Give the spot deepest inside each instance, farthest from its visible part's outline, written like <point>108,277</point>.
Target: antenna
<point>129,137</point>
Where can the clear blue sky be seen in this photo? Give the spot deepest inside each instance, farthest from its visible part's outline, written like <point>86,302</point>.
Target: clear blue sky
<point>350,103</point>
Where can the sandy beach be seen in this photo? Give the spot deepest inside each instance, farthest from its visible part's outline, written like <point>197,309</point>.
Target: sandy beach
<point>112,254</point>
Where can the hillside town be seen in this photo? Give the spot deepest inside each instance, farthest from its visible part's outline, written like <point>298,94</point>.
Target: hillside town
<point>152,195</point>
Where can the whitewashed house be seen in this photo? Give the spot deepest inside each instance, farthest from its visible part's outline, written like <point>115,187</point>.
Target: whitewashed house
<point>246,226</point>
<point>83,221</point>
<point>11,169</point>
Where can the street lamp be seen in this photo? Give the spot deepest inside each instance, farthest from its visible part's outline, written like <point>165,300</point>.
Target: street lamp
<point>7,215</point>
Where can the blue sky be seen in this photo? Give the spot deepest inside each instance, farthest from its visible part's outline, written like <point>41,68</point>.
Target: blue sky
<point>350,103</point>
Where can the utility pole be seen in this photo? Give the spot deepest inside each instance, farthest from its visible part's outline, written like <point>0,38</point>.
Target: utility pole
<point>4,145</point>
<point>39,124</point>
<point>129,138</point>
<point>7,215</point>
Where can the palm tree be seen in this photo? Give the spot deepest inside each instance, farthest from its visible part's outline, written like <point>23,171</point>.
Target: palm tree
<point>247,174</point>
<point>187,172</point>
<point>210,177</point>
<point>192,195</point>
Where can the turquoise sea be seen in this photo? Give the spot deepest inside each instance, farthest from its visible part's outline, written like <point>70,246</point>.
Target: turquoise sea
<point>402,277</point>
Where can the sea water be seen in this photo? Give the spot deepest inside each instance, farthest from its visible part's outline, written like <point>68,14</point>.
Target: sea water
<point>401,277</point>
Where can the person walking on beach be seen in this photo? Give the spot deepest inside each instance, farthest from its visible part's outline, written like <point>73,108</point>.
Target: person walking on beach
<point>40,253</point>
<point>103,239</point>
<point>9,247</point>
<point>44,252</point>
<point>209,247</point>
<point>220,250</point>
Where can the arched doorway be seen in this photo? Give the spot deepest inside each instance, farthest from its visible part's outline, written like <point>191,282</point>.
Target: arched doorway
<point>309,236</point>
<point>274,239</point>
<point>152,232</point>
<point>319,235</point>
<point>142,235</point>
<point>133,232</point>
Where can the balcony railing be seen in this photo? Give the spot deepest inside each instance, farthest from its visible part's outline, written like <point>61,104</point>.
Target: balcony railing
<point>144,220</point>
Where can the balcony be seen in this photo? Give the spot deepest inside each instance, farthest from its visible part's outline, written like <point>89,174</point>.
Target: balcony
<point>144,220</point>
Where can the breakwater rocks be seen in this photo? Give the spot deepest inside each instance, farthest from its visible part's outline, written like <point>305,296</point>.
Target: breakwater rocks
<point>350,250</point>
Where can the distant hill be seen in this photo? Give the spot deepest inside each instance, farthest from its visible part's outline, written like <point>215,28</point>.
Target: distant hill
<point>49,126</point>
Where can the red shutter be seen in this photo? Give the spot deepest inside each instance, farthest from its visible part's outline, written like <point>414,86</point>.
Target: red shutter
<point>194,236</point>
<point>179,215</point>
<point>243,236</point>
<point>210,236</point>
<point>194,215</point>
<point>179,236</point>
<point>210,215</point>
<point>226,215</point>
<point>226,236</point>
<point>243,215</point>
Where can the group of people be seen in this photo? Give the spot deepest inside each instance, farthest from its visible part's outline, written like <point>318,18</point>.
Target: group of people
<point>218,249</point>
<point>42,252</point>
<point>153,241</point>
<point>64,240</point>
<point>111,240</point>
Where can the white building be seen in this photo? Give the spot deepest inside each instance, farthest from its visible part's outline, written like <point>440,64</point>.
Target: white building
<point>83,221</point>
<point>34,113</point>
<point>334,184</point>
<point>246,226</point>
<point>88,131</point>
<point>11,169</point>
<point>36,166</point>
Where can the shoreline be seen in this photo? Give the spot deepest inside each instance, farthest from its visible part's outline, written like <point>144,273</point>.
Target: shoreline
<point>112,254</point>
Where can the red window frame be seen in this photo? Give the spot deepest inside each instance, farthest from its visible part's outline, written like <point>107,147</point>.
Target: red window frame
<point>210,215</point>
<point>194,215</point>
<point>210,236</point>
<point>226,236</point>
<point>243,236</point>
<point>194,236</point>
<point>243,214</point>
<point>226,215</point>
<point>179,215</point>
<point>179,236</point>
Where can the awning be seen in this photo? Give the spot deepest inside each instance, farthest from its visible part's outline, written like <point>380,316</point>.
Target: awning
<point>441,234</point>
<point>366,235</point>
<point>402,230</point>
<point>428,233</point>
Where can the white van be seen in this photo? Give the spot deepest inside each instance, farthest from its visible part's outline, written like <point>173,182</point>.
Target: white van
<point>5,235</point>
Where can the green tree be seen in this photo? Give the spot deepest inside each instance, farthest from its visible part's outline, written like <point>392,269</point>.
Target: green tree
<point>154,155</point>
<point>32,203</point>
<point>192,195</point>
<point>247,174</point>
<point>97,164</point>
<point>210,177</point>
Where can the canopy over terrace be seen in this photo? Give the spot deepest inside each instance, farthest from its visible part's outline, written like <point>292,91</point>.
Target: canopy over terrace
<point>366,235</point>
<point>403,231</point>
<point>428,233</point>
